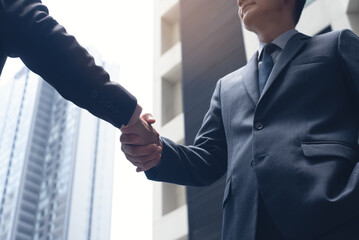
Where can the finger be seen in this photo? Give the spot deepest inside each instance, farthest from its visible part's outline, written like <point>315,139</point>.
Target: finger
<point>143,159</point>
<point>139,165</point>
<point>130,139</point>
<point>134,164</point>
<point>133,139</point>
<point>151,164</point>
<point>128,129</point>
<point>148,118</point>
<point>148,165</point>
<point>138,150</point>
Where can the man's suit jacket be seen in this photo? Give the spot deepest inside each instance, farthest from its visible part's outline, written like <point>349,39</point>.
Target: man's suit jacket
<point>295,145</point>
<point>28,32</point>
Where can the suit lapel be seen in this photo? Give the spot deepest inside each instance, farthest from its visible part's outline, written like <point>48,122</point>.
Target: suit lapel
<point>291,49</point>
<point>250,78</point>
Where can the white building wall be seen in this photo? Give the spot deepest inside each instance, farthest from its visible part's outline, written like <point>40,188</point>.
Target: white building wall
<point>102,206</point>
<point>86,202</point>
<point>170,209</point>
<point>82,176</point>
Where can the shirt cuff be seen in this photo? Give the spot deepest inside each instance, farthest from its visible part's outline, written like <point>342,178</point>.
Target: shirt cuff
<point>135,116</point>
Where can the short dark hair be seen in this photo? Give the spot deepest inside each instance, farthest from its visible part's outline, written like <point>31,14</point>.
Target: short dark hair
<point>299,5</point>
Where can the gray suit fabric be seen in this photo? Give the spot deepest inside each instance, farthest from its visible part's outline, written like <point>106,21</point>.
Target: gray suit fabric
<point>295,146</point>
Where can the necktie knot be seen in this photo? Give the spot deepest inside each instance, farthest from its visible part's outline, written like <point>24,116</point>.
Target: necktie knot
<point>267,64</point>
<point>269,48</point>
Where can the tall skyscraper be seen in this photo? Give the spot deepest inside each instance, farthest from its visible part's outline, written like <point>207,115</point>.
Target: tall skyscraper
<point>56,165</point>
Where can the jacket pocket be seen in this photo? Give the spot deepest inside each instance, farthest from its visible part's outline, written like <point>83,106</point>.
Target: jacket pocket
<point>227,192</point>
<point>330,149</point>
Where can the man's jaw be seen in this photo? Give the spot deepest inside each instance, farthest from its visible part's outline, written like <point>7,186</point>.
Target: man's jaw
<point>243,7</point>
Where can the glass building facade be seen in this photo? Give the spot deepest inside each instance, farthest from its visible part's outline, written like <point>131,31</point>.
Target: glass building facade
<point>18,103</point>
<point>51,185</point>
<point>57,161</point>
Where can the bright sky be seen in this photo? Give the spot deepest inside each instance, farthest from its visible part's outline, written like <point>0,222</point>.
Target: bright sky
<point>122,32</point>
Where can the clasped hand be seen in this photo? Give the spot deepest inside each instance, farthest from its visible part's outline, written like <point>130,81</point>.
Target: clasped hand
<point>141,143</point>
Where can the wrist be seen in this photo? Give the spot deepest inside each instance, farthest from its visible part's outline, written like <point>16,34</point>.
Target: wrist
<point>135,116</point>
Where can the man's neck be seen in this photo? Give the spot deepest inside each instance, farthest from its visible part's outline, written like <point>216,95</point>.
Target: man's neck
<point>269,33</point>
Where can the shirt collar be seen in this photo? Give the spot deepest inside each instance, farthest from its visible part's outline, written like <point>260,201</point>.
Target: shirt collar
<point>280,41</point>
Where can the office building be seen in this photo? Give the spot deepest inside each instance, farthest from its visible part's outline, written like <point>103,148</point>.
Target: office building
<point>170,209</point>
<point>56,165</point>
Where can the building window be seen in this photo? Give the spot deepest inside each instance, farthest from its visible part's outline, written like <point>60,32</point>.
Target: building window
<point>171,94</point>
<point>173,197</point>
<point>170,28</point>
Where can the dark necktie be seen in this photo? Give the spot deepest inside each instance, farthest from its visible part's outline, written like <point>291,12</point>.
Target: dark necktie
<point>266,67</point>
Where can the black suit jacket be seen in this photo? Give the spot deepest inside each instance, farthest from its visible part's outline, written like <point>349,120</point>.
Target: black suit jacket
<point>295,146</point>
<point>27,31</point>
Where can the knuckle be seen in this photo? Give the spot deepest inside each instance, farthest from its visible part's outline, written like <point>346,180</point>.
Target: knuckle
<point>128,157</point>
<point>134,163</point>
<point>151,148</point>
<point>130,150</point>
<point>122,137</point>
<point>124,129</point>
<point>133,139</point>
<point>128,138</point>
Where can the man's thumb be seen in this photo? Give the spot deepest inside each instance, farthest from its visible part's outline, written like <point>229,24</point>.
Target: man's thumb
<point>148,118</point>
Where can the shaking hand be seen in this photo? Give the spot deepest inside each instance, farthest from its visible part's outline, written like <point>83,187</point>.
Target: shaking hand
<point>141,143</point>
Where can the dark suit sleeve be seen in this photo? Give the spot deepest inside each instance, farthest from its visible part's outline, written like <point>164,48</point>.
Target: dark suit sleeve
<point>27,31</point>
<point>348,50</point>
<point>200,164</point>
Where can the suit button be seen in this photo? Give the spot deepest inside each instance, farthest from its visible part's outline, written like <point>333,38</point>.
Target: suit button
<point>252,163</point>
<point>258,126</point>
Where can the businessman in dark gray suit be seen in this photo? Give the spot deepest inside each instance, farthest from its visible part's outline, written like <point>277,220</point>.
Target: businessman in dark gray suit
<point>284,129</point>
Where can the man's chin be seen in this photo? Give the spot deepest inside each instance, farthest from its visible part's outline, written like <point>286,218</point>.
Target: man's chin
<point>246,22</point>
<point>248,27</point>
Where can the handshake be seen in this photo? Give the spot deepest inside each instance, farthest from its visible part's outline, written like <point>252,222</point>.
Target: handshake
<point>141,143</point>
